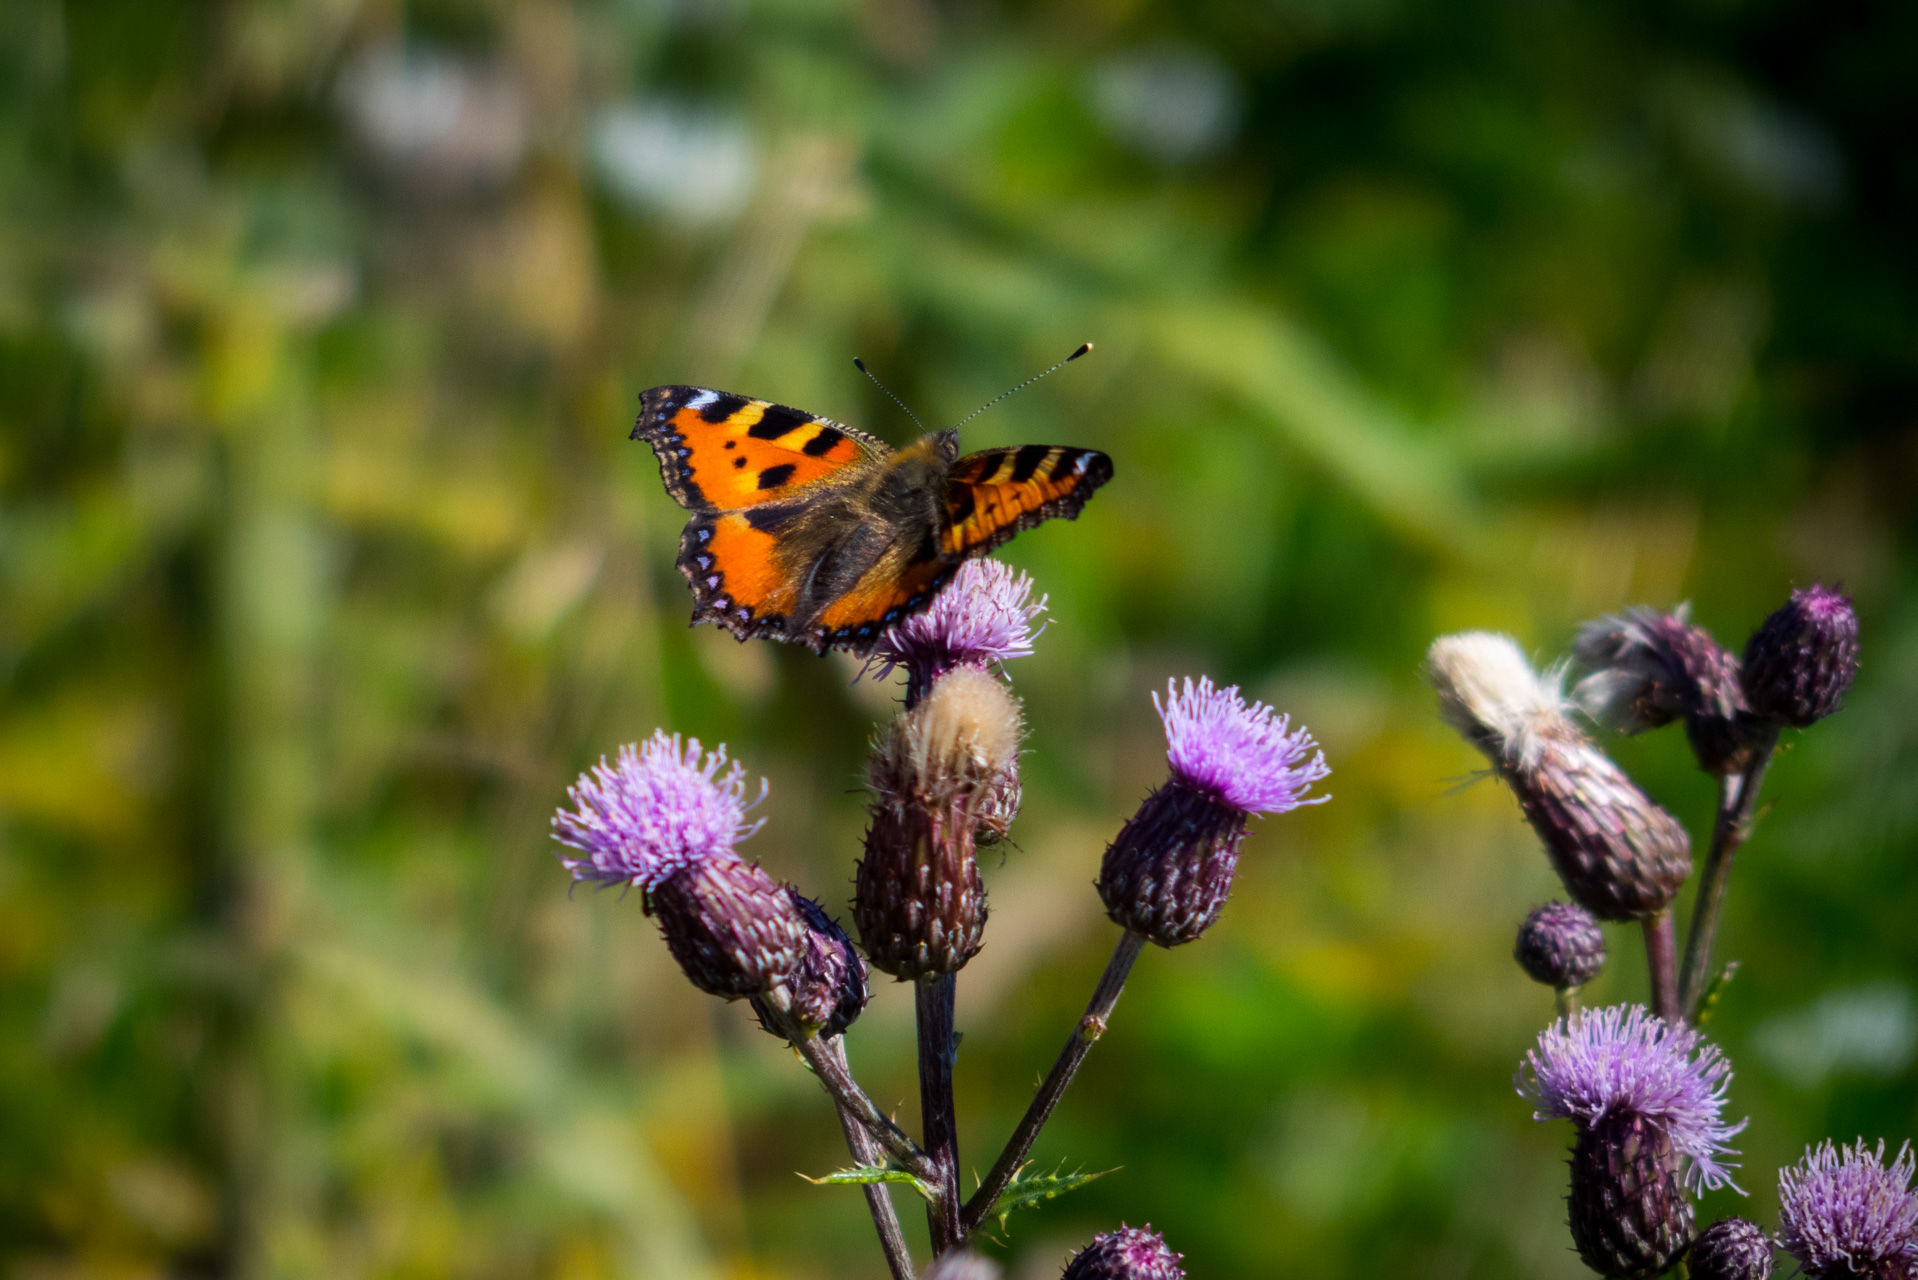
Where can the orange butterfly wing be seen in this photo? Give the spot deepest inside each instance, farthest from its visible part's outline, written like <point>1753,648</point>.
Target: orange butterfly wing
<point>722,452</point>
<point>993,494</point>
<point>764,482</point>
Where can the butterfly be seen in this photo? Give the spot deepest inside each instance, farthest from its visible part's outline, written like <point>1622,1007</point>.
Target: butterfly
<point>807,530</point>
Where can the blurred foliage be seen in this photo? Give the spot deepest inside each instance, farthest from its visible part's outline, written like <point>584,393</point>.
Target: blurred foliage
<point>325,564</point>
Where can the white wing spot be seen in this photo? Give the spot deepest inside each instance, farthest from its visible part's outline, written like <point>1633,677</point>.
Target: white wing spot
<point>703,399</point>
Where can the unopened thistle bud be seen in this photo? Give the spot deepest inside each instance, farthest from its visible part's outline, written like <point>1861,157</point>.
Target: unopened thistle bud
<point>1168,874</point>
<point>664,820</point>
<point>1730,1249</point>
<point>1560,945</point>
<point>1800,662</point>
<point>1130,1253</point>
<point>829,992</point>
<point>1647,1099</point>
<point>918,899</point>
<point>1843,1212</point>
<point>1619,854</point>
<point>1649,668</point>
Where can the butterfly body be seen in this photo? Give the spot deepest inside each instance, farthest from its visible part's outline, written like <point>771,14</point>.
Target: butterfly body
<point>807,530</point>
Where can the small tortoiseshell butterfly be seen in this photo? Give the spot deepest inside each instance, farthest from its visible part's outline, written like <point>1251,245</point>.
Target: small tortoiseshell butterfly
<point>809,531</point>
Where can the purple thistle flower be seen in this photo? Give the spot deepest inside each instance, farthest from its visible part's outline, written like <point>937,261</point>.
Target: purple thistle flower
<point>1130,1253</point>
<point>1844,1212</point>
<point>1247,757</point>
<point>1599,1063</point>
<point>1170,870</point>
<point>984,616</point>
<point>659,809</point>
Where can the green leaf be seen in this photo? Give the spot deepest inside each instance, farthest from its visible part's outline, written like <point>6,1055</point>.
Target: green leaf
<point>1029,1189</point>
<point>867,1174</point>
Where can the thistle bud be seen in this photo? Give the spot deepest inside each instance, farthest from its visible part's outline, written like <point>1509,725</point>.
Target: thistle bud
<point>1619,854</point>
<point>1647,1099</point>
<point>1843,1212</point>
<point>664,820</point>
<point>1649,668</point>
<point>1730,1249</point>
<point>1800,662</point>
<point>918,899</point>
<point>1130,1253</point>
<point>829,992</point>
<point>1560,945</point>
<point>1168,874</point>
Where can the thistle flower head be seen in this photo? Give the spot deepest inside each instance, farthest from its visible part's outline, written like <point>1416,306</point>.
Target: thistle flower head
<point>1599,1063</point>
<point>1844,1212</point>
<point>1130,1253</point>
<point>984,615</point>
<point>660,807</point>
<point>1649,668</point>
<point>1799,664</point>
<point>1243,755</point>
<point>1619,854</point>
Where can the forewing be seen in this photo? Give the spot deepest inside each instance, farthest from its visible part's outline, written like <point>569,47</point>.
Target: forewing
<point>723,452</point>
<point>993,494</point>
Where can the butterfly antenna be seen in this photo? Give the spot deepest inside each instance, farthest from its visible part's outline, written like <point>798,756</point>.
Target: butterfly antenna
<point>1083,348</point>
<point>861,366</point>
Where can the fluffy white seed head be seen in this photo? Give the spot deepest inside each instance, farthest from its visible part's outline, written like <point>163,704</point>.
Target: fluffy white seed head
<point>1490,693</point>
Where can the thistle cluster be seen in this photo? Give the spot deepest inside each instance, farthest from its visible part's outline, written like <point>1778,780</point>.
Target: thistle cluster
<point>1643,1090</point>
<point>667,815</point>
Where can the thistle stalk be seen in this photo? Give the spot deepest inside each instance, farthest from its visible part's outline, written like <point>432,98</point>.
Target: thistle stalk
<point>866,1153</point>
<point>1091,1027</point>
<point>939,1123</point>
<point>1737,806</point>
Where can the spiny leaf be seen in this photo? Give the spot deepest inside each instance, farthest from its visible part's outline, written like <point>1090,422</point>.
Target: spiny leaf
<point>867,1174</point>
<point>1029,1189</point>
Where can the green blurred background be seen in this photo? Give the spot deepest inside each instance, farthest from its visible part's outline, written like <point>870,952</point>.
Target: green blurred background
<point>325,564</point>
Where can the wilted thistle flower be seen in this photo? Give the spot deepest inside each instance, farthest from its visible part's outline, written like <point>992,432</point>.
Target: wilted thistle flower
<point>1649,668</point>
<point>1168,874</point>
<point>1560,945</point>
<point>1800,662</point>
<point>917,898</point>
<point>665,819</point>
<point>1619,854</point>
<point>829,992</point>
<point>1130,1253</point>
<point>1646,1098</point>
<point>982,618</point>
<point>1731,1249</point>
<point>1843,1212</point>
